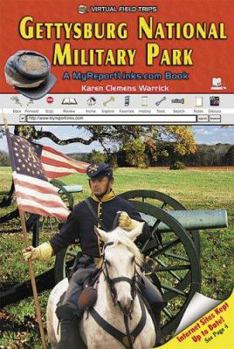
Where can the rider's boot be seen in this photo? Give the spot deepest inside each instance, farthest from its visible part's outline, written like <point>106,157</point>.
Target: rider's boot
<point>69,328</point>
<point>152,294</point>
<point>155,300</point>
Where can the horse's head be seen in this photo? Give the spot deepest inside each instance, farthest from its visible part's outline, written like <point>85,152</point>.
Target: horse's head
<point>120,256</point>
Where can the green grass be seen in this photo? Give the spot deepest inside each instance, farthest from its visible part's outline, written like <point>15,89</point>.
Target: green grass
<point>196,189</point>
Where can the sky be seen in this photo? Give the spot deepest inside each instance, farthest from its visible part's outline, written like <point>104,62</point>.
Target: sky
<point>202,135</point>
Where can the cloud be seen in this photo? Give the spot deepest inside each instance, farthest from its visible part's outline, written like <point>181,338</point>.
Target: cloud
<point>213,134</point>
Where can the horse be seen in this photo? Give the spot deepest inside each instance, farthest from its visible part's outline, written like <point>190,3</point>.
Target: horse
<point>128,323</point>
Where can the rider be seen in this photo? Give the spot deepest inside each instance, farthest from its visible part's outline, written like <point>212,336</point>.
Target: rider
<point>99,209</point>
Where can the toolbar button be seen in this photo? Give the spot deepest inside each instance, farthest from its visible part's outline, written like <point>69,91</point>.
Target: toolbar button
<point>203,118</point>
<point>215,118</point>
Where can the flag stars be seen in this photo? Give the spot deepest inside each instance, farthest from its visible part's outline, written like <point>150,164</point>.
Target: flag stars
<point>28,159</point>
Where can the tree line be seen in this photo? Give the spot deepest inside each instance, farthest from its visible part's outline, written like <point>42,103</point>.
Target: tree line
<point>205,155</point>
<point>139,146</point>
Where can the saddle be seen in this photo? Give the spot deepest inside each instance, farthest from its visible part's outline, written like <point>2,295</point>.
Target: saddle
<point>88,296</point>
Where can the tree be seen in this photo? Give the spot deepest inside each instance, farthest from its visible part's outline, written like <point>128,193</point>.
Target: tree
<point>229,157</point>
<point>179,142</point>
<point>96,157</point>
<point>135,152</point>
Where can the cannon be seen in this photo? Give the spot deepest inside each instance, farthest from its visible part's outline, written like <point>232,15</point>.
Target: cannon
<point>194,219</point>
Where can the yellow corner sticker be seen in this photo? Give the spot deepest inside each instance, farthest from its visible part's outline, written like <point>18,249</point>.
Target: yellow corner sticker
<point>213,330</point>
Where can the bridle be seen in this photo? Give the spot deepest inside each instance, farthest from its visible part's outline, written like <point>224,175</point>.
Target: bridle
<point>127,339</point>
<point>112,281</point>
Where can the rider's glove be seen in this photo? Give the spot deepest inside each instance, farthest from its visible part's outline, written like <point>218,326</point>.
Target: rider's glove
<point>126,222</point>
<point>41,253</point>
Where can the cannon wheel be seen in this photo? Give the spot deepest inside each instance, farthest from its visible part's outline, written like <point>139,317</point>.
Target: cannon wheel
<point>52,222</point>
<point>3,198</point>
<point>173,261</point>
<point>167,263</point>
<point>64,261</point>
<point>162,201</point>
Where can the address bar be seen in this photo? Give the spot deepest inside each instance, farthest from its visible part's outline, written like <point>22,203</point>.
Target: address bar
<point>124,119</point>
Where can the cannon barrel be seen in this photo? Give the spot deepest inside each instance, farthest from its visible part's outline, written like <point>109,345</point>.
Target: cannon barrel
<point>194,219</point>
<point>71,189</point>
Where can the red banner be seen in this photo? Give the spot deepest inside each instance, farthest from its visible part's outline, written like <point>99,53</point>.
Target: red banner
<point>185,46</point>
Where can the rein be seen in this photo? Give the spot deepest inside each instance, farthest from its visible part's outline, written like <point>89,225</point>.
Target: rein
<point>126,339</point>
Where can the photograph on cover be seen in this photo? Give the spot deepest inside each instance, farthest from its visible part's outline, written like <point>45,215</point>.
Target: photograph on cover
<point>177,179</point>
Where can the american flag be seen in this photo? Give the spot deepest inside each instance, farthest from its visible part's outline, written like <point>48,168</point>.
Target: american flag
<point>57,164</point>
<point>34,193</point>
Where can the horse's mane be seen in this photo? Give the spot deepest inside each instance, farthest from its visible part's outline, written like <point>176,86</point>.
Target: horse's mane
<point>122,238</point>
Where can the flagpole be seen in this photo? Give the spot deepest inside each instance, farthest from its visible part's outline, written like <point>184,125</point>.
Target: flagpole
<point>33,282</point>
<point>31,272</point>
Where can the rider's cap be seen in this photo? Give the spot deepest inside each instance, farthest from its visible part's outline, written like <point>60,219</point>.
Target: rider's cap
<point>99,170</point>
<point>29,73</point>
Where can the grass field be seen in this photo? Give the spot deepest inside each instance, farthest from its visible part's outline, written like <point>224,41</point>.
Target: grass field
<point>194,188</point>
